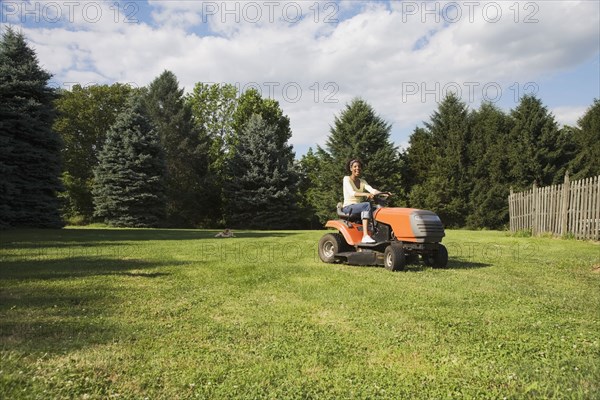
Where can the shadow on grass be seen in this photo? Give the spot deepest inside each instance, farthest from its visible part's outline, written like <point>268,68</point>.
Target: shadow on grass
<point>420,266</point>
<point>48,306</point>
<point>265,234</point>
<point>457,263</point>
<point>33,238</point>
<point>453,263</point>
<point>78,267</point>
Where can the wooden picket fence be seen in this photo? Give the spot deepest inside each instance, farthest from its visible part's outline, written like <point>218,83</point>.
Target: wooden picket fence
<point>572,208</point>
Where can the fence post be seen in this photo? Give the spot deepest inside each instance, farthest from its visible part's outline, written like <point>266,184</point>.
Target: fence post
<point>597,215</point>
<point>534,210</point>
<point>511,211</point>
<point>565,206</point>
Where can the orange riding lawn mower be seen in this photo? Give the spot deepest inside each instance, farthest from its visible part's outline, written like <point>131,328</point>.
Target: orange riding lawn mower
<point>402,236</point>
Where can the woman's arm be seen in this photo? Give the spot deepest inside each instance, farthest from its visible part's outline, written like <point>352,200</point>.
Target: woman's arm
<point>349,191</point>
<point>372,191</point>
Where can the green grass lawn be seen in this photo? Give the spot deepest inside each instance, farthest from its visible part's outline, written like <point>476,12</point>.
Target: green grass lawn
<point>177,314</point>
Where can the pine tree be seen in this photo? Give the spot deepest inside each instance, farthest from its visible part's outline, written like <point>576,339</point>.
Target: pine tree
<point>586,137</point>
<point>262,186</point>
<point>29,150</point>
<point>448,186</point>
<point>535,145</point>
<point>186,153</point>
<point>358,132</point>
<point>489,168</point>
<point>419,157</point>
<point>129,189</point>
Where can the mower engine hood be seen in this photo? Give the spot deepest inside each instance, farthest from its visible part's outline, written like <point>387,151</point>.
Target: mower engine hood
<point>412,225</point>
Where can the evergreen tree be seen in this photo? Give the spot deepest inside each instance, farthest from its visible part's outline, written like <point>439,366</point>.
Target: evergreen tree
<point>129,189</point>
<point>447,187</point>
<point>84,117</point>
<point>29,150</point>
<point>262,186</point>
<point>358,132</point>
<point>586,138</point>
<point>419,158</point>
<point>535,145</point>
<point>186,153</point>
<point>489,168</point>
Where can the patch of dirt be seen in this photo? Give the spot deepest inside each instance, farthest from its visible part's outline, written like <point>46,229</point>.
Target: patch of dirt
<point>596,268</point>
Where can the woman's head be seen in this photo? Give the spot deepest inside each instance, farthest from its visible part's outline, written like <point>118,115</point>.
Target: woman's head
<point>352,162</point>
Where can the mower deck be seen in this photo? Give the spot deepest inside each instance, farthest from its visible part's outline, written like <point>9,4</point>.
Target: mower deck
<point>367,257</point>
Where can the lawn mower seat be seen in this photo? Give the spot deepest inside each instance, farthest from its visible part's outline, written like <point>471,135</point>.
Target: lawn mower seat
<point>347,217</point>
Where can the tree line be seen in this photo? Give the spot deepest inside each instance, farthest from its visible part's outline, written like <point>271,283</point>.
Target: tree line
<point>155,156</point>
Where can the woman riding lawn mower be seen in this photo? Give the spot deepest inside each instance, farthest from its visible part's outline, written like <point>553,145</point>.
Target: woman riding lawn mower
<point>400,236</point>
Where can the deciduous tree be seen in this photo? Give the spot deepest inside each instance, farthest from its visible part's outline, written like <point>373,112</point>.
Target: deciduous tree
<point>213,107</point>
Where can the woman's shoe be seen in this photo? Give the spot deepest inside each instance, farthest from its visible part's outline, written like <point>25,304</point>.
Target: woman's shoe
<point>368,239</point>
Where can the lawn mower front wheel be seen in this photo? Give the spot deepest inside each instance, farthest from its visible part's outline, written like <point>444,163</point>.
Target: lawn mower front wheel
<point>394,258</point>
<point>329,245</point>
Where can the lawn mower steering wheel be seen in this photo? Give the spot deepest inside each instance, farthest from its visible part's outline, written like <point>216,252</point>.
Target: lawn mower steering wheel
<point>381,198</point>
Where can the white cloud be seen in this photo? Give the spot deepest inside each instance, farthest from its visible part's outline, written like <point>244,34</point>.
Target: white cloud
<point>396,56</point>
<point>176,13</point>
<point>568,115</point>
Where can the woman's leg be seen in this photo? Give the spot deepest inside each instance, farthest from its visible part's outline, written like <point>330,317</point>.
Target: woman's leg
<point>364,209</point>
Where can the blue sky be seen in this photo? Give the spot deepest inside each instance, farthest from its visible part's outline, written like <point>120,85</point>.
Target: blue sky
<point>314,57</point>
